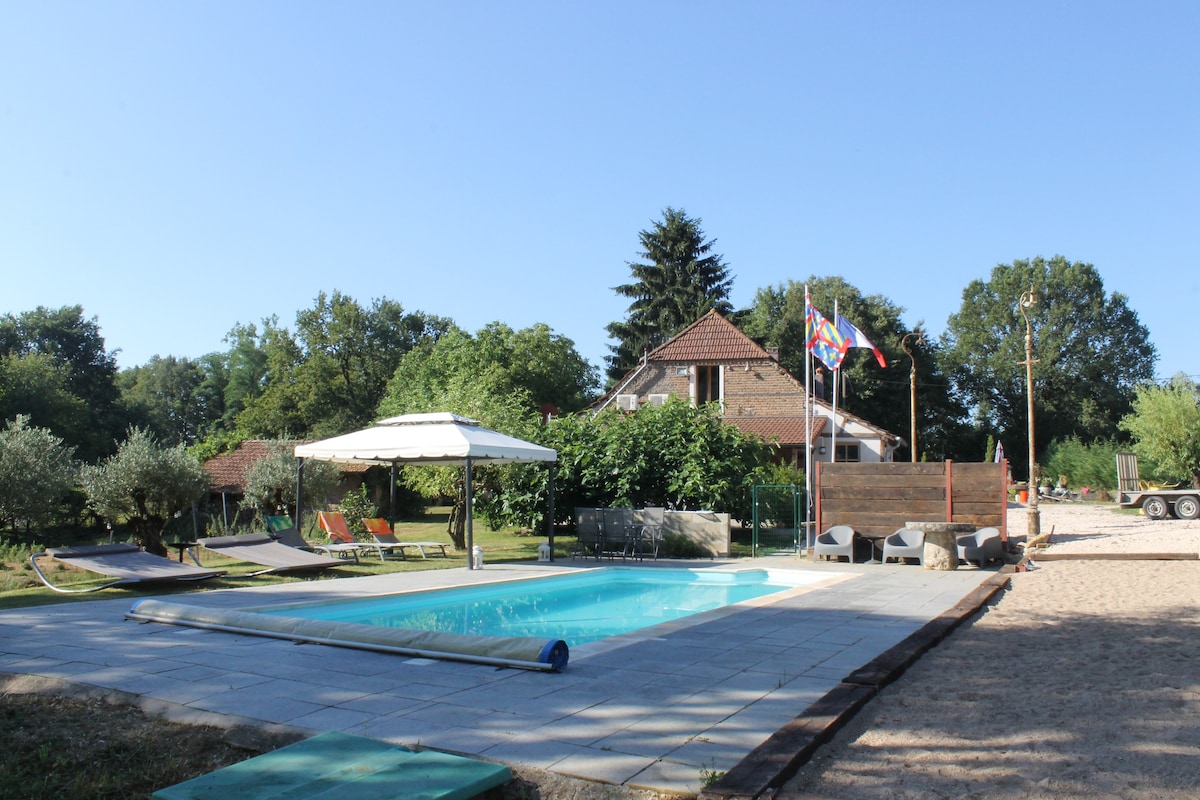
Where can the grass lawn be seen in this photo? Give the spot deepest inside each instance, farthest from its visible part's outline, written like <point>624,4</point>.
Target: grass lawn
<point>19,586</point>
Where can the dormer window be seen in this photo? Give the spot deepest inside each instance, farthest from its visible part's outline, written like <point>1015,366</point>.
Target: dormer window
<point>708,384</point>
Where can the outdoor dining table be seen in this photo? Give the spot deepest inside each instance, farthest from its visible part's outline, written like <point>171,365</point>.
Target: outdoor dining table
<point>941,542</point>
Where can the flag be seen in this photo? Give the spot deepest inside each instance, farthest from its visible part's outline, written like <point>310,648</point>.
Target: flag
<point>853,337</point>
<point>822,337</point>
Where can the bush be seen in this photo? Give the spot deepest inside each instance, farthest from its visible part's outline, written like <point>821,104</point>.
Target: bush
<point>357,506</point>
<point>676,545</point>
<point>1092,465</point>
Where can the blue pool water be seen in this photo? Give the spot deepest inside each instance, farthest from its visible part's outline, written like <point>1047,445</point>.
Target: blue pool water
<point>577,607</point>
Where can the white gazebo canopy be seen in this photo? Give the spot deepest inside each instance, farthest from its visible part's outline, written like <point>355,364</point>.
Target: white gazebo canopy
<point>437,439</point>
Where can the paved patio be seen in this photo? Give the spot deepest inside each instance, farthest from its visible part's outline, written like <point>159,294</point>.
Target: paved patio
<point>656,710</point>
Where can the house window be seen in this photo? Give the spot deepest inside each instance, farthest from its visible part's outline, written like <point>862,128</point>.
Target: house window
<point>708,384</point>
<point>846,452</point>
<point>627,402</point>
<point>657,400</point>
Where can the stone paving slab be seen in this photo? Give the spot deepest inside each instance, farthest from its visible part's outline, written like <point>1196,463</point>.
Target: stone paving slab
<point>661,710</point>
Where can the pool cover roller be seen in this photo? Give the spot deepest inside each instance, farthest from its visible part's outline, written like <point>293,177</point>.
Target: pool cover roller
<point>524,652</point>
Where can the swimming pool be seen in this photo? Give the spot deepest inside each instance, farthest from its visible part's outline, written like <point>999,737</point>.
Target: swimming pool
<point>523,623</point>
<point>579,607</point>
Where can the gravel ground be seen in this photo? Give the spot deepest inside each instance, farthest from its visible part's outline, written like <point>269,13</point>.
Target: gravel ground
<point>1081,682</point>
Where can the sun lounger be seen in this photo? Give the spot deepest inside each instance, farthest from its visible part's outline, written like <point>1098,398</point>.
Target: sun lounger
<point>128,563</point>
<point>259,548</point>
<point>282,530</point>
<point>378,527</point>
<point>292,538</point>
<point>334,524</point>
<point>275,524</point>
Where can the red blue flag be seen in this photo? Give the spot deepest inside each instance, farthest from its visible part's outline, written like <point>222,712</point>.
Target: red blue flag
<point>822,338</point>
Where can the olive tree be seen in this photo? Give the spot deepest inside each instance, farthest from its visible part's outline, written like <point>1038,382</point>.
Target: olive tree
<point>271,481</point>
<point>144,484</point>
<point>37,470</point>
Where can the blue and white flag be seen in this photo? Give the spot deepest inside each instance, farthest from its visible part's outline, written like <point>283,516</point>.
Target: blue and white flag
<point>854,338</point>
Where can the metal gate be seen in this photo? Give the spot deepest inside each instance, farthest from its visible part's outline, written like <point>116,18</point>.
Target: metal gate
<point>778,517</point>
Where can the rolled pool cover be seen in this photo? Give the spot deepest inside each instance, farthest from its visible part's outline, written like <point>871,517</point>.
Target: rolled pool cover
<point>523,652</point>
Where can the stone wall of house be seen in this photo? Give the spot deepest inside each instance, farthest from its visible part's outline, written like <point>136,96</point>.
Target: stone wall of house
<point>761,390</point>
<point>752,389</point>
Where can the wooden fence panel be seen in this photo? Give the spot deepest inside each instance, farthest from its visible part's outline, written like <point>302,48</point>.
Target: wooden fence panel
<point>876,499</point>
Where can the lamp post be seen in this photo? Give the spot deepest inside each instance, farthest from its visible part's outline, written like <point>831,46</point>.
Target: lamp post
<point>1034,521</point>
<point>912,387</point>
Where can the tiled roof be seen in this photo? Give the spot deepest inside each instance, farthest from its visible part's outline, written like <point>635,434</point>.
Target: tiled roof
<point>788,431</point>
<point>713,339</point>
<point>227,471</point>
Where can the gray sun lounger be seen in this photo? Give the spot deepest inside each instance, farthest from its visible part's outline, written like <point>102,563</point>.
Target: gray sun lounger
<point>292,538</point>
<point>127,563</point>
<point>259,548</point>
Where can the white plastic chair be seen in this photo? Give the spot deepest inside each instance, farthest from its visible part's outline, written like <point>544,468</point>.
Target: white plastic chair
<point>836,541</point>
<point>904,543</point>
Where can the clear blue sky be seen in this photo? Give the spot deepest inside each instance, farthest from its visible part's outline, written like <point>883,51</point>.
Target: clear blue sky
<point>180,167</point>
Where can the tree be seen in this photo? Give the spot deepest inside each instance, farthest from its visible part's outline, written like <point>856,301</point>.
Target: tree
<point>508,494</point>
<point>329,376</point>
<point>33,385</point>
<point>681,282</point>
<point>245,367</point>
<point>878,395</point>
<point>144,484</point>
<point>76,348</point>
<point>1165,425</point>
<point>1090,352</point>
<point>37,470</point>
<point>676,455</point>
<point>534,361</point>
<point>167,395</point>
<point>271,481</point>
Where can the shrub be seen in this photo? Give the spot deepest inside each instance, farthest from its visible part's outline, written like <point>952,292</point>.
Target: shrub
<point>676,545</point>
<point>355,507</point>
<point>1093,465</point>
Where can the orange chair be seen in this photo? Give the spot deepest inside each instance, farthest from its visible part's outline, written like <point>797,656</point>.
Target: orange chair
<point>333,523</point>
<point>341,541</point>
<point>379,528</point>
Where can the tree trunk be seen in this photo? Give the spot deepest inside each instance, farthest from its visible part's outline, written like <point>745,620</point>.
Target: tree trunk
<point>458,522</point>
<point>147,532</point>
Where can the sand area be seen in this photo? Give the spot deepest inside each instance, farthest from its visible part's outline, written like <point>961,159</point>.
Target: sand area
<point>1082,680</point>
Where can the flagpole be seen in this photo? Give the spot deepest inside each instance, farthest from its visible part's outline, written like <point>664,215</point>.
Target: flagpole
<point>837,371</point>
<point>808,413</point>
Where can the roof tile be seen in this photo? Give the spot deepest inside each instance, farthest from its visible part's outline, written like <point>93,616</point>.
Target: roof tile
<point>712,338</point>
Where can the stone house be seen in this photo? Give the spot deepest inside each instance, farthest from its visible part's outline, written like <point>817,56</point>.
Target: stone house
<point>712,361</point>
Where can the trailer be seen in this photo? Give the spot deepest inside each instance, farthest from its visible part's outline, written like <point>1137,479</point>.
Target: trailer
<point>1155,502</point>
